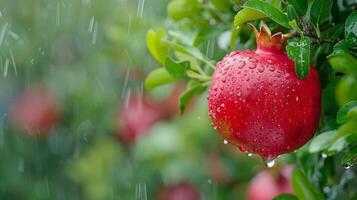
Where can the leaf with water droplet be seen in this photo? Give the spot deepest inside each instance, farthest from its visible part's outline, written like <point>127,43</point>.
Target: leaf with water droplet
<point>350,158</point>
<point>351,31</point>
<point>298,50</point>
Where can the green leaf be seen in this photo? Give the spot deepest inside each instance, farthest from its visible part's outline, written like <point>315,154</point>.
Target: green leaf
<point>176,69</point>
<point>192,90</point>
<point>320,12</point>
<point>341,60</point>
<point>157,78</point>
<point>153,42</point>
<point>322,141</point>
<point>286,197</point>
<point>351,31</point>
<point>299,5</point>
<point>348,112</point>
<point>303,189</point>
<point>292,14</point>
<point>350,158</point>
<point>244,15</point>
<point>269,10</point>
<point>298,50</point>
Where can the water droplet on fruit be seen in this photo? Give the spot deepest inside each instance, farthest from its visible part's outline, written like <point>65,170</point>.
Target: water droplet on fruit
<point>252,65</point>
<point>253,60</point>
<point>261,69</point>
<point>225,142</point>
<point>249,154</point>
<point>241,64</point>
<point>297,98</point>
<point>215,127</point>
<point>270,163</point>
<point>271,68</point>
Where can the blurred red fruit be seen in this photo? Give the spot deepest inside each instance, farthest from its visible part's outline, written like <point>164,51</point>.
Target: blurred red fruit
<point>136,117</point>
<point>35,111</point>
<point>181,191</point>
<point>266,185</point>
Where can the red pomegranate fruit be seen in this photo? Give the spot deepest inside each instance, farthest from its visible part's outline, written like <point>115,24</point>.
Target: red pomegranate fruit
<point>180,191</point>
<point>266,186</point>
<point>257,102</point>
<point>136,117</point>
<point>35,111</point>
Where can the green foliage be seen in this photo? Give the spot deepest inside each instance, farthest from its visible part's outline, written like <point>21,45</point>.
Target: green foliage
<point>298,50</point>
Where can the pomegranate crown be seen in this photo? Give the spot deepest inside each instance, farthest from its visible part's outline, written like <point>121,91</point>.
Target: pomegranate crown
<point>266,41</point>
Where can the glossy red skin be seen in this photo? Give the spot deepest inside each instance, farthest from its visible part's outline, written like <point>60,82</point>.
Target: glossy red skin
<point>257,103</point>
<point>264,186</point>
<point>136,117</point>
<point>35,111</point>
<point>181,191</point>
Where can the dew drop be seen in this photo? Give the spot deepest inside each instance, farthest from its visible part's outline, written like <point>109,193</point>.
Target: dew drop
<point>346,166</point>
<point>225,142</point>
<point>261,69</point>
<point>270,163</point>
<point>241,64</point>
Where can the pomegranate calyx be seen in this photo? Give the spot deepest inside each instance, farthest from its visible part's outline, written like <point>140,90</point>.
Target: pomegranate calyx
<point>268,42</point>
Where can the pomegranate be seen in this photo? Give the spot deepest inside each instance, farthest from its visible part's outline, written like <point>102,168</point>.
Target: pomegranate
<point>265,185</point>
<point>35,111</point>
<point>180,191</point>
<point>136,117</point>
<point>257,102</point>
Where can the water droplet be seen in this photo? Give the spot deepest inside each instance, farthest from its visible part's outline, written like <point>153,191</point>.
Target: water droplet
<point>324,155</point>
<point>241,64</point>
<point>347,166</point>
<point>261,69</point>
<point>271,68</point>
<point>253,60</point>
<point>297,98</point>
<point>225,142</point>
<point>270,163</point>
<point>249,154</point>
<point>215,127</point>
<point>222,105</point>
